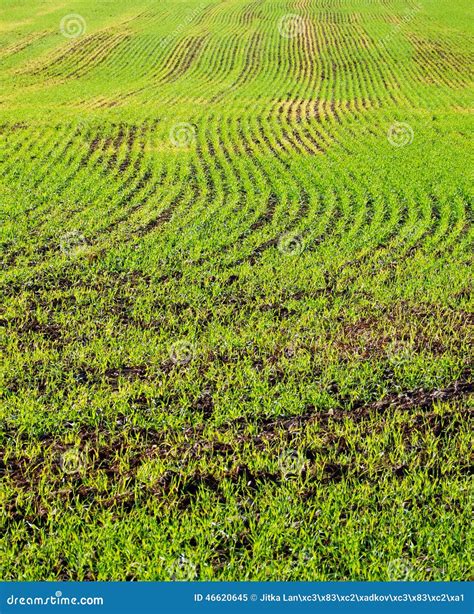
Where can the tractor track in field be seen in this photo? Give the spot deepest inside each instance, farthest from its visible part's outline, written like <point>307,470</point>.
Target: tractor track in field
<point>101,450</point>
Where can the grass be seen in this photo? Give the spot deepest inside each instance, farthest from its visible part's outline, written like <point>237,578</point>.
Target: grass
<point>236,311</point>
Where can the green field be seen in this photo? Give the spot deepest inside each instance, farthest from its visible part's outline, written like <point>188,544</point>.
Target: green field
<point>236,322</point>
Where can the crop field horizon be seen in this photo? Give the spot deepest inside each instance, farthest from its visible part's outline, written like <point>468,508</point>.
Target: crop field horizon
<point>236,310</point>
